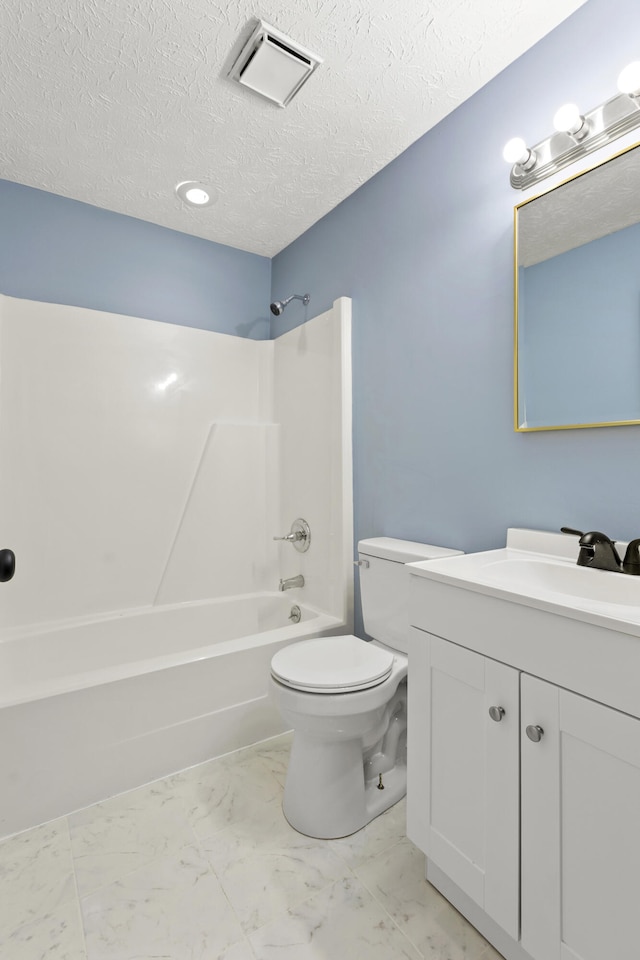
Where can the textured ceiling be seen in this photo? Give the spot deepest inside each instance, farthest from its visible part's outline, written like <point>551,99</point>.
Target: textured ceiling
<point>115,101</point>
<point>603,201</point>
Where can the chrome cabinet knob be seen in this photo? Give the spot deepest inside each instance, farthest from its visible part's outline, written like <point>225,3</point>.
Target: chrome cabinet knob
<point>534,732</point>
<point>496,713</point>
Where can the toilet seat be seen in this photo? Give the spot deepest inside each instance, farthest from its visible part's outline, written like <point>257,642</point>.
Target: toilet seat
<point>332,665</point>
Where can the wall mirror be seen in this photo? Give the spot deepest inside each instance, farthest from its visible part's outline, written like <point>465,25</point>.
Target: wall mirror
<point>577,285</point>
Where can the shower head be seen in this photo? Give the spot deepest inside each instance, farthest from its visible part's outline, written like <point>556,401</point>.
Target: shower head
<point>278,305</point>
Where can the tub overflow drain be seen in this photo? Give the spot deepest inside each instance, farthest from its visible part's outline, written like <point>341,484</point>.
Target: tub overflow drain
<point>296,614</point>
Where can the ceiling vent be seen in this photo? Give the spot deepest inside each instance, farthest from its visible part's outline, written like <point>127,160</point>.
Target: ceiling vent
<point>273,65</point>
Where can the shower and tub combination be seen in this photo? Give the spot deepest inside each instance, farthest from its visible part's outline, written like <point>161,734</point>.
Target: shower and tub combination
<point>147,472</point>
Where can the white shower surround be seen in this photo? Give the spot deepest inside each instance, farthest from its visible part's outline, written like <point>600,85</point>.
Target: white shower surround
<point>144,469</point>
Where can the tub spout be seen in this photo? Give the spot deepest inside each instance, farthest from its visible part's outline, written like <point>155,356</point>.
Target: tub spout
<point>292,582</point>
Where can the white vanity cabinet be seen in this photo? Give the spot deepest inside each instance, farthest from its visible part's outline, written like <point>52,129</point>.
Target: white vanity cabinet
<point>525,798</point>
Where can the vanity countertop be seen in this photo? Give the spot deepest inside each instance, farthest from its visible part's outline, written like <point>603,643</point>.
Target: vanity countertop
<point>538,569</point>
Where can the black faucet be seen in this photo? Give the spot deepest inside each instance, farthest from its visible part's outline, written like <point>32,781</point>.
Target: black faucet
<point>631,562</point>
<point>597,550</point>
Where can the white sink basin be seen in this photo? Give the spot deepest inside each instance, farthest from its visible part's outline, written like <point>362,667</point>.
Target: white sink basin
<point>538,575</point>
<point>550,577</point>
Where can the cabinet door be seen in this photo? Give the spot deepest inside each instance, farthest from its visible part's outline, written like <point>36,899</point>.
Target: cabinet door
<point>580,827</point>
<point>463,811</point>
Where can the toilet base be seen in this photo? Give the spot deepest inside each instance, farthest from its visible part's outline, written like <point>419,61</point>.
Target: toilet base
<point>336,801</point>
<point>326,796</point>
<point>324,790</point>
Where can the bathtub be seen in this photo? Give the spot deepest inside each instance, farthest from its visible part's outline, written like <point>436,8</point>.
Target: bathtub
<point>89,709</point>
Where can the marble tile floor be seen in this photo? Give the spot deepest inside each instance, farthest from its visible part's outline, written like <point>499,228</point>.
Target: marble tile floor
<point>203,866</point>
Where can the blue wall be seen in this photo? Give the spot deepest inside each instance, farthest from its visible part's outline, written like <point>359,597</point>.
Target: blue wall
<point>579,345</point>
<point>62,251</point>
<point>425,249</point>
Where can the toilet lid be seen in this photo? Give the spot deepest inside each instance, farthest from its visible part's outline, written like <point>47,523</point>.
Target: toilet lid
<point>332,665</point>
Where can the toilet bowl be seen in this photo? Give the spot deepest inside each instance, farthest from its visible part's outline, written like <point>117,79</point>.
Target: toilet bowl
<point>346,701</point>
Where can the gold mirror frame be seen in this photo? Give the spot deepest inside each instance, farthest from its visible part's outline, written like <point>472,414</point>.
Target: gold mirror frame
<point>568,426</point>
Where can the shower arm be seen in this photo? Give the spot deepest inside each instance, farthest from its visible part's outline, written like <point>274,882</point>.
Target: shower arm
<point>297,296</point>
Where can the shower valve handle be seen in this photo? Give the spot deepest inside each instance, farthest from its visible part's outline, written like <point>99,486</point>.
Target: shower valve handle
<point>299,535</point>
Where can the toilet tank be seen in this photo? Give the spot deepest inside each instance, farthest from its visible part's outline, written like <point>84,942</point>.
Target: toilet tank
<point>384,585</point>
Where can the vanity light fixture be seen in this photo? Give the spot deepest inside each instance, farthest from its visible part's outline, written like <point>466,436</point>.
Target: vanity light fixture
<point>195,194</point>
<point>577,135</point>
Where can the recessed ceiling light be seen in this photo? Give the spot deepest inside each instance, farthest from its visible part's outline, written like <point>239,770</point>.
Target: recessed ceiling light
<point>195,194</point>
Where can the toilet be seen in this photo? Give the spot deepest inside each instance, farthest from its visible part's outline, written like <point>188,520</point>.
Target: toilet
<point>346,700</point>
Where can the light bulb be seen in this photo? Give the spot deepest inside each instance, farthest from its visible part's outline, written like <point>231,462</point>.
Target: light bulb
<point>567,118</point>
<point>516,151</point>
<point>629,79</point>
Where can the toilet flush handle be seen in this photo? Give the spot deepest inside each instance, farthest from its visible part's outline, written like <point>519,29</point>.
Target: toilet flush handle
<point>361,563</point>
